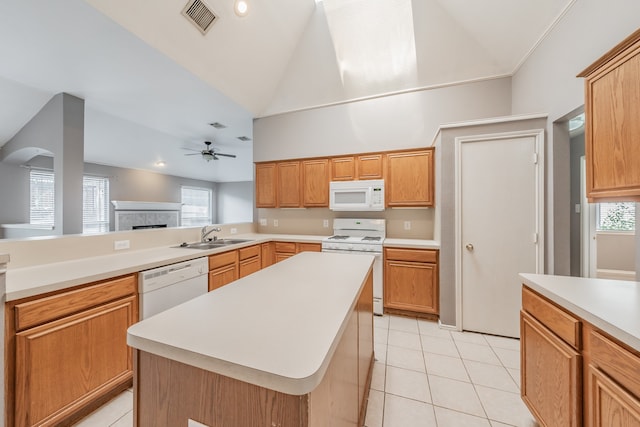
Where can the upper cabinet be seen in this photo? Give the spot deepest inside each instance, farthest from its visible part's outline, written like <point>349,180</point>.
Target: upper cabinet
<point>266,185</point>
<point>351,168</point>
<point>343,168</point>
<point>410,178</point>
<point>288,184</point>
<point>315,183</point>
<point>612,134</point>
<point>370,166</point>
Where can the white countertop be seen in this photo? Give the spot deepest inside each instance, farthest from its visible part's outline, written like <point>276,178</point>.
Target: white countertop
<point>4,258</point>
<point>31,281</point>
<point>277,328</point>
<point>610,305</point>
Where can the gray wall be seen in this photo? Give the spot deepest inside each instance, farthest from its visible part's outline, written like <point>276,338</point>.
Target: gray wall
<point>445,180</point>
<point>234,202</point>
<point>577,151</point>
<point>405,120</point>
<point>14,194</point>
<point>547,82</point>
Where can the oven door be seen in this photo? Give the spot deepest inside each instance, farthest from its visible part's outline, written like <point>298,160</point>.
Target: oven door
<point>378,290</point>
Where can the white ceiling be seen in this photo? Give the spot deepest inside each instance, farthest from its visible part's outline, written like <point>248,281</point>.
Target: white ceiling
<point>152,83</point>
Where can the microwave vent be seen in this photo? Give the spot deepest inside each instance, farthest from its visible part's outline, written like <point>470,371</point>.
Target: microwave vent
<point>200,15</point>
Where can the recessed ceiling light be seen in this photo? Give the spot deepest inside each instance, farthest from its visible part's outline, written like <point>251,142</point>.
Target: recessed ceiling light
<point>161,163</point>
<point>241,7</point>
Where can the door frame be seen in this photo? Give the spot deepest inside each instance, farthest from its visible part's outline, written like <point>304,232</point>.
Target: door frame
<point>538,135</point>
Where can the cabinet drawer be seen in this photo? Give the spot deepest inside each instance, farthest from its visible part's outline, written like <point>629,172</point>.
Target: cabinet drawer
<point>617,362</point>
<point>309,247</point>
<point>249,252</point>
<point>418,255</point>
<point>286,247</point>
<point>46,309</point>
<point>224,258</point>
<point>557,320</point>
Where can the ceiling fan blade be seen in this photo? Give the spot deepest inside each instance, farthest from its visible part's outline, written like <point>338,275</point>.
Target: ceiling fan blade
<point>194,154</point>
<point>190,149</point>
<point>226,155</point>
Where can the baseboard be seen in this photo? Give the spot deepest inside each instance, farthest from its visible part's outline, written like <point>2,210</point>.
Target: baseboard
<point>603,273</point>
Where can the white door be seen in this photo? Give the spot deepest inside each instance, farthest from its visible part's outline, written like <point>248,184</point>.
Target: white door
<point>499,227</point>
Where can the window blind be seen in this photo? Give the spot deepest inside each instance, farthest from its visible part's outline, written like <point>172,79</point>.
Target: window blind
<point>42,197</point>
<point>95,204</point>
<point>616,216</point>
<point>196,206</point>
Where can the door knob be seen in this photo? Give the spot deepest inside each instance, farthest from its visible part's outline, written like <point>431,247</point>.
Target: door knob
<point>469,247</point>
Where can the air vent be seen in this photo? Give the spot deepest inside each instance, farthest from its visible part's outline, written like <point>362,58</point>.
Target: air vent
<point>244,138</point>
<point>217,125</point>
<point>200,15</point>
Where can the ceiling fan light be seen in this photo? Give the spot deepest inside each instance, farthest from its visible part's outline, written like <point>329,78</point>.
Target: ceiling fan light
<point>207,156</point>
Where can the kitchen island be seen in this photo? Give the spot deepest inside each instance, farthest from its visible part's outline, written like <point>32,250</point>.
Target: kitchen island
<point>291,345</point>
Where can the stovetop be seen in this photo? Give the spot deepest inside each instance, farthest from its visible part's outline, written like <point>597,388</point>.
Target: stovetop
<point>355,239</point>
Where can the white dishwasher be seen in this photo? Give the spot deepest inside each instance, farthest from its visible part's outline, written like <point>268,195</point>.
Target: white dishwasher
<point>164,287</point>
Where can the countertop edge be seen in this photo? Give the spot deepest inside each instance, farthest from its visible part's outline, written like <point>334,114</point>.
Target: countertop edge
<point>604,325</point>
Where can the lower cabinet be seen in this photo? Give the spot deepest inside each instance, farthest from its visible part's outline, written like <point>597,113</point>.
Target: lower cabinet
<point>572,374</point>
<point>67,353</point>
<point>223,269</point>
<point>284,250</point>
<point>267,254</point>
<point>411,280</point>
<point>250,260</point>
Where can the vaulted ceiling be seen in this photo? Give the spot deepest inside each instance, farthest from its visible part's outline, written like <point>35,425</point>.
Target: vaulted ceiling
<point>152,82</point>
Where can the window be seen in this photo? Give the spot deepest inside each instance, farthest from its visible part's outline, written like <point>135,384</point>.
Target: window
<point>42,197</point>
<point>616,216</point>
<point>196,206</point>
<point>95,204</point>
<point>95,201</point>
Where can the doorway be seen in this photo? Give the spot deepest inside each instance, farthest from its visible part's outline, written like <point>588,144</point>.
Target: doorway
<point>499,226</point>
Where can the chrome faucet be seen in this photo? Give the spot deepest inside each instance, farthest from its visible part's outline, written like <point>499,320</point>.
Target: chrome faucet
<point>204,233</point>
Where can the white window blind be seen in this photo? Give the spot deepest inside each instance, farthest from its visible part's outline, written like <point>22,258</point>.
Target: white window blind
<point>196,206</point>
<point>95,204</point>
<point>42,197</point>
<point>616,216</point>
<point>95,201</point>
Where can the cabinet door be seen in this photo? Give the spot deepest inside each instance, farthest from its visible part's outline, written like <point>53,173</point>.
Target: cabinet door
<point>411,286</point>
<point>308,247</point>
<point>289,185</point>
<point>551,383</point>
<point>409,180</point>
<point>266,185</point>
<point>611,405</point>
<point>222,276</point>
<point>343,168</point>
<point>267,254</point>
<point>315,183</point>
<point>63,364</point>
<point>612,108</point>
<point>370,166</point>
<point>249,266</point>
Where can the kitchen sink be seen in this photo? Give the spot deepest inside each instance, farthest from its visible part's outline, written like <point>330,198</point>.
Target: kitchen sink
<point>213,243</point>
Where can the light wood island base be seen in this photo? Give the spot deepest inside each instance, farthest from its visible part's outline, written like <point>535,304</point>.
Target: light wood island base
<point>169,392</point>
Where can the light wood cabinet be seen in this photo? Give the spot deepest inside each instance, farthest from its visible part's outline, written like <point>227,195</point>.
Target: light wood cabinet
<point>67,353</point>
<point>411,280</point>
<point>266,185</point>
<point>289,194</point>
<point>612,108</point>
<point>315,183</point>
<point>572,374</point>
<point>370,166</point>
<point>284,250</point>
<point>551,382</point>
<point>250,260</point>
<point>308,247</point>
<point>410,178</point>
<point>268,254</point>
<point>223,269</point>
<point>343,168</point>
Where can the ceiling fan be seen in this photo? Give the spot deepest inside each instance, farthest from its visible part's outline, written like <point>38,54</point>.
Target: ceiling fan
<point>209,153</point>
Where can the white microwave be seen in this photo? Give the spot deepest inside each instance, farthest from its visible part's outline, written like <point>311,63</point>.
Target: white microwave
<point>357,195</point>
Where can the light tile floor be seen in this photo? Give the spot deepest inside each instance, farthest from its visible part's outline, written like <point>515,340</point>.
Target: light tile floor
<point>423,376</point>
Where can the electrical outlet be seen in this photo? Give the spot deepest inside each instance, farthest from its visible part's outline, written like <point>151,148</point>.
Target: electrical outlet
<point>121,244</point>
<point>325,223</point>
<point>275,222</point>
<point>263,222</point>
<point>407,225</point>
<point>233,230</point>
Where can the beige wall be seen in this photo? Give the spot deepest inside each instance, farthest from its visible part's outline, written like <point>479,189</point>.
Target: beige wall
<point>310,221</point>
<point>616,251</point>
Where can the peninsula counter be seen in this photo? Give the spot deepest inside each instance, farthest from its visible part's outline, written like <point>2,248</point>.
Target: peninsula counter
<point>290,345</point>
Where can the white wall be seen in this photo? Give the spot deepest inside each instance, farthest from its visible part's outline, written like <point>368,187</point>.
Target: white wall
<point>234,202</point>
<point>405,120</point>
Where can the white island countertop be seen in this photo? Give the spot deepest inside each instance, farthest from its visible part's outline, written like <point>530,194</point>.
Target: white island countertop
<point>277,328</point>
<point>610,305</point>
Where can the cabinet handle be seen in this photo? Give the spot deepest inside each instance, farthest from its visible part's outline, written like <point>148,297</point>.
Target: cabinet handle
<point>469,247</point>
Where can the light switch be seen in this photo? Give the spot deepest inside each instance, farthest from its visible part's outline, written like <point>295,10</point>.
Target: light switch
<point>325,223</point>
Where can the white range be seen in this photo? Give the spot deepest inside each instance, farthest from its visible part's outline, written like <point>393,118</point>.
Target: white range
<point>358,236</point>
